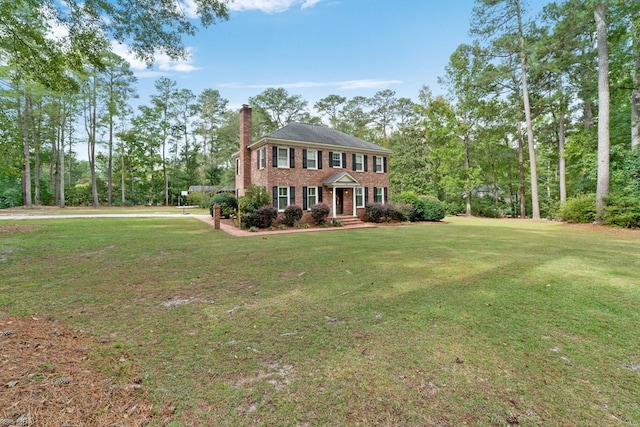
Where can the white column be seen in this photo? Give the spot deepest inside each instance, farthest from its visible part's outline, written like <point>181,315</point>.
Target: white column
<point>353,200</point>
<point>334,202</point>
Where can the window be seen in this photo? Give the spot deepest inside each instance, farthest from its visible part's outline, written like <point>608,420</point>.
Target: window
<point>283,198</point>
<point>262,158</point>
<point>283,157</point>
<point>378,194</point>
<point>379,163</point>
<point>358,162</point>
<point>359,197</point>
<point>336,160</point>
<point>237,166</point>
<point>312,159</point>
<point>312,196</point>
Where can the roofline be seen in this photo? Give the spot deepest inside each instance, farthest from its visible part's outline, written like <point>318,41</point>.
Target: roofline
<point>265,140</point>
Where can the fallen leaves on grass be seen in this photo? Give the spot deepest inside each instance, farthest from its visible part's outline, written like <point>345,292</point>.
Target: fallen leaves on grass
<point>45,380</point>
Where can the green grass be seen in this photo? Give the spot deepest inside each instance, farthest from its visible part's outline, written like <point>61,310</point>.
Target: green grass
<point>350,327</point>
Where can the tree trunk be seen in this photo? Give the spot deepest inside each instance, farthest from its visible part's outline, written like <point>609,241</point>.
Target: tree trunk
<point>26,170</point>
<point>535,206</point>
<point>466,167</point>
<point>523,194</point>
<point>635,94</point>
<point>602,189</point>
<point>61,202</point>
<point>562,167</point>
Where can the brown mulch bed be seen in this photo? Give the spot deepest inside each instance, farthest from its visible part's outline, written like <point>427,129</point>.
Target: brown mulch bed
<point>46,379</point>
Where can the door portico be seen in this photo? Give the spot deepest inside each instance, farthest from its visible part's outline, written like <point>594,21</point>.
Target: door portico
<point>341,185</point>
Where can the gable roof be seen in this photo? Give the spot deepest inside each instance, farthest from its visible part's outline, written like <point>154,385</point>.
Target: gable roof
<point>305,133</point>
<point>342,179</point>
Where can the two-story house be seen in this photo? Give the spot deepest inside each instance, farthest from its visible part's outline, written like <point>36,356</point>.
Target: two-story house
<point>303,164</point>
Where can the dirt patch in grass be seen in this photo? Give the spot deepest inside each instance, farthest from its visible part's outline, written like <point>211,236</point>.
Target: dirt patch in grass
<point>45,379</point>
<point>8,229</point>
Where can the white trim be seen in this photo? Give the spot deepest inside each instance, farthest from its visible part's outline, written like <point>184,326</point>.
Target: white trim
<point>315,196</point>
<point>318,145</point>
<point>262,158</point>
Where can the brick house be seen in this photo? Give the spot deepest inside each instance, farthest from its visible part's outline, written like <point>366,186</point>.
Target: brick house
<point>303,164</point>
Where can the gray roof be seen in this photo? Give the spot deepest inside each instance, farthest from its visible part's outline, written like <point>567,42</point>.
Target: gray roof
<point>302,132</point>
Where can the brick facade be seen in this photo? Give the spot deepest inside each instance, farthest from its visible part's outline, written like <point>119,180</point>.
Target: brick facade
<point>294,174</point>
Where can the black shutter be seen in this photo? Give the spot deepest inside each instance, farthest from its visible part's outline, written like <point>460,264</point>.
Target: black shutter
<point>274,193</point>
<point>386,194</point>
<point>304,198</point>
<point>330,159</point>
<point>319,157</point>
<point>366,196</point>
<point>292,158</point>
<point>353,161</point>
<point>344,160</point>
<point>304,158</point>
<point>292,195</point>
<point>366,159</point>
<point>274,153</point>
<point>374,163</point>
<point>319,194</point>
<point>384,162</point>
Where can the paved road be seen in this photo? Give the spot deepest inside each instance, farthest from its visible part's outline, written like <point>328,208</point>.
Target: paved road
<point>150,215</point>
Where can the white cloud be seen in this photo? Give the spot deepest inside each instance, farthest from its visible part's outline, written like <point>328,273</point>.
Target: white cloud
<point>163,64</point>
<point>188,7</point>
<point>270,6</point>
<point>341,85</point>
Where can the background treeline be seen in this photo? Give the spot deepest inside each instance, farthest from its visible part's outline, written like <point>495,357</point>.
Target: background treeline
<point>524,128</point>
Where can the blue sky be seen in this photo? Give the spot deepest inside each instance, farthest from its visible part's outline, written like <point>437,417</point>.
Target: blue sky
<point>315,48</point>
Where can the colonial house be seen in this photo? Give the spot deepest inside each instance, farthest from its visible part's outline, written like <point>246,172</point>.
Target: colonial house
<point>302,164</point>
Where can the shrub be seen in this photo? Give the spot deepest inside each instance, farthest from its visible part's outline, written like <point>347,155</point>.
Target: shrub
<point>454,208</point>
<point>255,208</point>
<point>410,198</point>
<point>265,216</point>
<point>485,207</point>
<point>228,204</point>
<point>579,209</point>
<point>432,209</point>
<point>197,198</point>
<point>423,208</point>
<point>319,213</point>
<point>376,212</point>
<point>622,211</point>
<point>292,214</point>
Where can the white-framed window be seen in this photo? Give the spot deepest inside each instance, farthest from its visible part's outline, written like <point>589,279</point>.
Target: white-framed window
<point>358,165</point>
<point>336,160</point>
<point>283,157</point>
<point>262,158</point>
<point>379,166</point>
<point>283,198</point>
<point>312,196</point>
<point>312,159</point>
<point>359,191</point>
<point>378,194</point>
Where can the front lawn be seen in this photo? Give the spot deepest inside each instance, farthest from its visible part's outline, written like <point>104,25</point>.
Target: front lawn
<point>483,322</point>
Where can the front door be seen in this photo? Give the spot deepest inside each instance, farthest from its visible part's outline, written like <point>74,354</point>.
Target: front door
<point>339,200</point>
